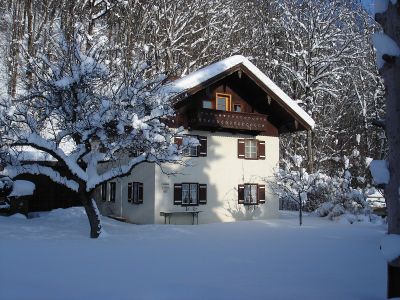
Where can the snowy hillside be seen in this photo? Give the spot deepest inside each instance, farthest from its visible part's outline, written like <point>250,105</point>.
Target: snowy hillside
<point>51,258</point>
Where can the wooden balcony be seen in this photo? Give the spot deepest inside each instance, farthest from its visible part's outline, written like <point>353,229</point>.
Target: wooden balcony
<point>217,119</point>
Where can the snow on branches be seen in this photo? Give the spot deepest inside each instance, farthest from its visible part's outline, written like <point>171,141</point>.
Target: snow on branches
<point>81,114</point>
<point>331,196</point>
<point>76,103</point>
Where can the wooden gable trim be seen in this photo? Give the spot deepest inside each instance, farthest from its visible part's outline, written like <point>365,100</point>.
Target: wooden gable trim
<point>270,93</point>
<point>207,83</point>
<point>242,68</point>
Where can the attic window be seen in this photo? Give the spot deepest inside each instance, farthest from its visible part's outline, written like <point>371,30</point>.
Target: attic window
<point>237,108</point>
<point>223,102</point>
<point>207,104</point>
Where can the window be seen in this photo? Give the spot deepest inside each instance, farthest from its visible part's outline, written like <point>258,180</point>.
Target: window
<point>207,104</point>
<point>103,191</point>
<point>237,108</point>
<point>135,153</point>
<point>251,194</point>
<point>135,192</point>
<point>192,150</point>
<point>189,194</point>
<point>223,102</point>
<point>113,191</point>
<point>251,149</point>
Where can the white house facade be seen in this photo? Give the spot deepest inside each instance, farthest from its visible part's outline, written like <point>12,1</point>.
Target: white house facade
<point>237,114</point>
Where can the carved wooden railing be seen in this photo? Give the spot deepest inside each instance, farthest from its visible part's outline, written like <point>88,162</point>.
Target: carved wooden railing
<point>210,118</point>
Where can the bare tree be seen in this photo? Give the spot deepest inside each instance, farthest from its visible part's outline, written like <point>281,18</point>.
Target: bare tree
<point>319,52</point>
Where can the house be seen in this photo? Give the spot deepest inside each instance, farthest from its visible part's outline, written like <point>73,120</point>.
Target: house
<point>237,114</point>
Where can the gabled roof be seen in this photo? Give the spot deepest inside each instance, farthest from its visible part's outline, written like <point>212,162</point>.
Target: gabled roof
<point>205,76</point>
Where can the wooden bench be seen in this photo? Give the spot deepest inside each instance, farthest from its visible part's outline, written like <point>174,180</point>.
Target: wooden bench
<point>195,214</point>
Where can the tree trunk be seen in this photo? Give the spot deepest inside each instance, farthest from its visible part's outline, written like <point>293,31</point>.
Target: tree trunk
<point>300,210</point>
<point>28,9</point>
<point>310,156</point>
<point>92,213</point>
<point>14,48</point>
<point>390,21</point>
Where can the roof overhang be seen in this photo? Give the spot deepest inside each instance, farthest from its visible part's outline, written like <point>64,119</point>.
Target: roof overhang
<point>202,78</point>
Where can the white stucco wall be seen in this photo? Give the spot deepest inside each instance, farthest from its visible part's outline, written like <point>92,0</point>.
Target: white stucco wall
<point>222,171</point>
<point>134,213</point>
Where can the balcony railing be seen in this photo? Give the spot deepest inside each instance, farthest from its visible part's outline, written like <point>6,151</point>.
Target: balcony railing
<point>210,118</point>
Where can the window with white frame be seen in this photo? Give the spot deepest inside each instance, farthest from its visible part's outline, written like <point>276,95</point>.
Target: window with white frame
<point>250,149</point>
<point>186,194</point>
<point>250,193</point>
<point>189,193</point>
<point>190,149</point>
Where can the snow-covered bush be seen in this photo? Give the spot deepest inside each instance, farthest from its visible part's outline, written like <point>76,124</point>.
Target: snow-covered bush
<point>351,203</point>
<point>6,186</point>
<point>344,199</point>
<point>296,187</point>
<point>327,196</point>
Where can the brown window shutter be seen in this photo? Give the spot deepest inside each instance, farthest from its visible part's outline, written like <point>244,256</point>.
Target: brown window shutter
<point>140,192</point>
<point>178,140</point>
<point>202,148</point>
<point>130,192</point>
<point>202,193</point>
<point>261,194</point>
<point>177,194</point>
<point>241,194</point>
<point>241,148</point>
<point>261,150</point>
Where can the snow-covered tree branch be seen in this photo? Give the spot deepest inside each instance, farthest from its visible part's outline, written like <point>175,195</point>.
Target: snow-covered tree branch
<point>80,114</point>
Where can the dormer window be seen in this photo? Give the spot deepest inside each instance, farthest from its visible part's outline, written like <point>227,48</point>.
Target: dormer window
<point>223,102</point>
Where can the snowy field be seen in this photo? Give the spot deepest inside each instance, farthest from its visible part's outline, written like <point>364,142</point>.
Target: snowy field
<point>51,257</point>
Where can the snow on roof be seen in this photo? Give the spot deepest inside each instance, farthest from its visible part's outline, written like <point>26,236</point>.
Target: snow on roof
<point>202,75</point>
<point>22,188</point>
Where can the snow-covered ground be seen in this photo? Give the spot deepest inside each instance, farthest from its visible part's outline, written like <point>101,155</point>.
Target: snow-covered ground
<point>51,257</point>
